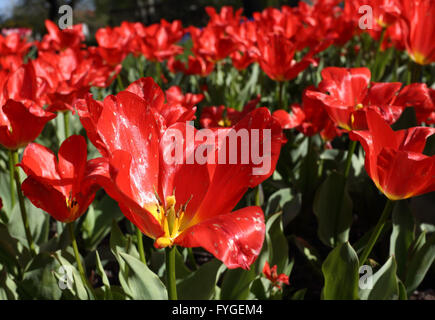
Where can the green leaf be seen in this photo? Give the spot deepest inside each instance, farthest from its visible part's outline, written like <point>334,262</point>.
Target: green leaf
<point>333,208</point>
<point>69,273</point>
<point>275,248</point>
<point>402,235</point>
<point>299,295</point>
<point>102,274</point>
<point>236,284</point>
<point>340,271</point>
<point>8,288</point>
<point>38,223</point>
<point>98,222</point>
<point>199,285</point>
<point>385,283</point>
<point>38,280</point>
<point>142,282</point>
<point>420,263</point>
<point>9,251</point>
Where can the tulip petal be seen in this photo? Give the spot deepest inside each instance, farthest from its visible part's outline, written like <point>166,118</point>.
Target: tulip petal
<point>235,238</point>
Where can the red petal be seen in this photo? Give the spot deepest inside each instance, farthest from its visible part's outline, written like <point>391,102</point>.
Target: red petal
<point>235,238</point>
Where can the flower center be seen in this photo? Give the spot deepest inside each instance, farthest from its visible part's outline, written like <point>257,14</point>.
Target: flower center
<point>171,221</point>
<point>72,205</point>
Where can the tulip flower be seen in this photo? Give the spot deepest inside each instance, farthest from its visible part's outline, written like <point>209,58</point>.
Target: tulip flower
<point>196,65</point>
<point>344,91</point>
<point>277,279</point>
<point>154,195</point>
<point>394,159</point>
<point>419,30</point>
<point>13,48</point>
<point>63,188</point>
<point>175,96</point>
<point>22,117</point>
<point>275,54</point>
<point>59,40</point>
<point>309,118</point>
<point>221,116</point>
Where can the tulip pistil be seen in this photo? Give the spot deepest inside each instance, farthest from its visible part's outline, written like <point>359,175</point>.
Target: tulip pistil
<point>171,221</point>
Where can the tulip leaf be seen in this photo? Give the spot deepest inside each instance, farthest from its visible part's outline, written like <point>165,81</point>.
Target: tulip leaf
<point>419,263</point>
<point>402,235</point>
<point>9,250</point>
<point>69,277</point>
<point>142,282</point>
<point>275,247</point>
<point>385,284</point>
<point>5,195</point>
<point>340,270</point>
<point>102,274</point>
<point>38,280</point>
<point>200,285</point>
<point>236,284</point>
<point>333,208</point>
<point>39,224</point>
<point>8,288</point>
<point>98,222</point>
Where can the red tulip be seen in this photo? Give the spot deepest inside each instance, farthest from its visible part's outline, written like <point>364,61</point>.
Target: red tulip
<point>419,30</point>
<point>226,17</point>
<point>422,98</point>
<point>157,41</point>
<point>275,54</point>
<point>394,159</point>
<point>212,43</point>
<point>113,43</point>
<point>277,279</point>
<point>13,48</point>
<point>22,117</point>
<point>188,101</point>
<point>344,91</point>
<point>309,118</point>
<point>154,195</point>
<point>59,40</point>
<point>196,65</point>
<point>63,188</point>
<point>221,116</point>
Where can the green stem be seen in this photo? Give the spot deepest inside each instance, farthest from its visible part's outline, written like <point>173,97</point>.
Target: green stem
<point>378,50</point>
<point>120,84</point>
<point>376,231</point>
<point>257,196</point>
<point>14,155</point>
<point>77,256</point>
<point>280,87</point>
<point>158,73</point>
<point>170,273</point>
<point>11,178</point>
<point>66,123</point>
<point>140,246</point>
<point>352,147</point>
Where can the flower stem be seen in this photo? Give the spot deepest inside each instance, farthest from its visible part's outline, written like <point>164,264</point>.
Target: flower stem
<point>11,178</point>
<point>14,155</point>
<point>66,124</point>
<point>352,147</point>
<point>120,84</point>
<point>77,256</point>
<point>140,246</point>
<point>280,87</point>
<point>170,273</point>
<point>376,231</point>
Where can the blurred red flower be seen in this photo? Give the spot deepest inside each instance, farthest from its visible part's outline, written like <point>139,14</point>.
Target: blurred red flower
<point>277,279</point>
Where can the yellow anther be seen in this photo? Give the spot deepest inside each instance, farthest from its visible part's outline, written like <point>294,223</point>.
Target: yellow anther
<point>359,106</point>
